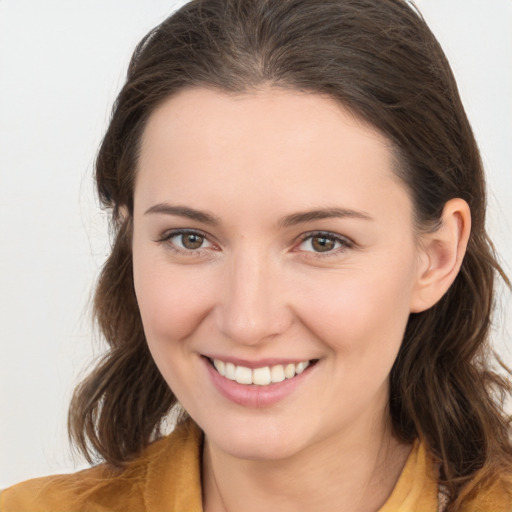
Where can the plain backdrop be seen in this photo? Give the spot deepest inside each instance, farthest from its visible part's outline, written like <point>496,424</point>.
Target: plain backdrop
<point>61,64</point>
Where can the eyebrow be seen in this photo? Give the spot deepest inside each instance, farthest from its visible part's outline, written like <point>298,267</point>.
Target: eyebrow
<point>324,213</point>
<point>289,220</point>
<point>184,211</point>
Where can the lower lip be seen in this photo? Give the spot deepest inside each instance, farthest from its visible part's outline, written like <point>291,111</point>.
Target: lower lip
<point>253,395</point>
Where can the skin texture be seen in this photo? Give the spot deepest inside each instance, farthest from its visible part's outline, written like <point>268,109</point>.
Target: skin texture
<point>257,289</point>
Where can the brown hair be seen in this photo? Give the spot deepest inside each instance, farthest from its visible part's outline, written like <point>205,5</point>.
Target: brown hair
<point>380,60</point>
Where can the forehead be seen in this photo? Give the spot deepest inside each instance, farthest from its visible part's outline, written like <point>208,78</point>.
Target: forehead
<point>277,116</point>
<point>264,146</point>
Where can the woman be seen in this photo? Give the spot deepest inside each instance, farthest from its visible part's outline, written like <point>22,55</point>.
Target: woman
<point>301,264</point>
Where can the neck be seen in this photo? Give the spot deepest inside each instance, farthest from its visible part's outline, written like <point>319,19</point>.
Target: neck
<point>353,471</point>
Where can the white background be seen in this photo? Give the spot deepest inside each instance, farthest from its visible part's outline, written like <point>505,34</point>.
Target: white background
<point>61,65</point>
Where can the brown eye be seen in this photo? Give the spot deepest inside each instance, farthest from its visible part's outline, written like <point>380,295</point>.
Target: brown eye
<point>322,244</point>
<point>185,241</point>
<point>191,241</point>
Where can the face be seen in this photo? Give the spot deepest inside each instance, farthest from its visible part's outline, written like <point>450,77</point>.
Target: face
<point>275,264</point>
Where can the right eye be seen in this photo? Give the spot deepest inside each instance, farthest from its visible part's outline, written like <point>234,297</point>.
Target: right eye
<point>186,241</point>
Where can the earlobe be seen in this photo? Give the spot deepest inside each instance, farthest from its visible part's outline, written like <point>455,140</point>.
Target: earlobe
<point>442,252</point>
<point>122,213</point>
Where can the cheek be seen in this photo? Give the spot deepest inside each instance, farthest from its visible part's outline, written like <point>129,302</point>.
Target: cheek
<point>171,300</point>
<point>363,314</point>
<point>362,324</point>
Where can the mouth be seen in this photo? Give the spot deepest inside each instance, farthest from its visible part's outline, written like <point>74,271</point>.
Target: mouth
<point>262,376</point>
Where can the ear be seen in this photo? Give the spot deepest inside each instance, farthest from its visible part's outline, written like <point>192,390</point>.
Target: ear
<point>441,255</point>
<point>123,213</point>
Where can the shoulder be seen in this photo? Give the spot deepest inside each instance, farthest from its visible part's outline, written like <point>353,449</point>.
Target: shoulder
<point>496,496</point>
<point>58,492</point>
<point>101,488</point>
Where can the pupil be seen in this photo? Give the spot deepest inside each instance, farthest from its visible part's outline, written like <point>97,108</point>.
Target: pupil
<point>192,241</point>
<point>323,244</point>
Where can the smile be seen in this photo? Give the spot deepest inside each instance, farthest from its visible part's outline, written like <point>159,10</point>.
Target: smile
<point>263,376</point>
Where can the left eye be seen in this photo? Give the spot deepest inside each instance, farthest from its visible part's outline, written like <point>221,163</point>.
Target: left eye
<point>189,241</point>
<point>322,242</point>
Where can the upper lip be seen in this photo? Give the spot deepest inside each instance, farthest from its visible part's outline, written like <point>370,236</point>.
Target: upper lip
<point>260,363</point>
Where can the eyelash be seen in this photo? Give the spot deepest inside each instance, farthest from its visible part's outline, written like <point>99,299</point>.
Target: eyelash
<point>345,243</point>
<point>167,237</point>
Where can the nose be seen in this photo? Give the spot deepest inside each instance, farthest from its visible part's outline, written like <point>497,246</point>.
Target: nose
<point>252,306</point>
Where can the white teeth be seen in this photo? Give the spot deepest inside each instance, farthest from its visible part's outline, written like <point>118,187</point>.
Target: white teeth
<point>301,367</point>
<point>230,371</point>
<point>289,371</point>
<point>277,373</point>
<point>220,366</point>
<point>259,376</point>
<point>243,375</point>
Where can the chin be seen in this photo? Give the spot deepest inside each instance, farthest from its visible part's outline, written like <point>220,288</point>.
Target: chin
<point>261,441</point>
<point>259,450</point>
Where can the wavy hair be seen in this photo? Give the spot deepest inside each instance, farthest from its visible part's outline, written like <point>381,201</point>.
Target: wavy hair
<point>380,60</point>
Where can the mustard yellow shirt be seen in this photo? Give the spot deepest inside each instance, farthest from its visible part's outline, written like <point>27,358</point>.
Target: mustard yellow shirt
<point>166,478</point>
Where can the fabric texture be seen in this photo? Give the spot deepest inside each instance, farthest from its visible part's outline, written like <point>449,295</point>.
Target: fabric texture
<point>167,478</point>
